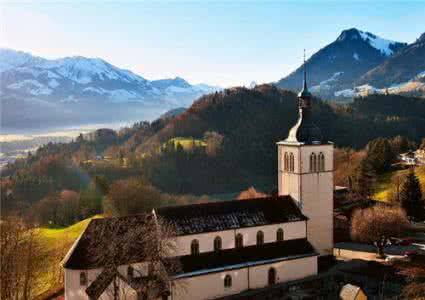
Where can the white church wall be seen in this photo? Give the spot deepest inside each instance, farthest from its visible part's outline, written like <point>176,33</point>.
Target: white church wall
<point>210,286</point>
<point>125,292</point>
<point>312,190</point>
<point>288,181</point>
<point>306,151</point>
<point>74,290</point>
<point>291,230</point>
<point>317,200</point>
<point>317,204</point>
<point>206,241</point>
<point>242,279</point>
<point>285,271</point>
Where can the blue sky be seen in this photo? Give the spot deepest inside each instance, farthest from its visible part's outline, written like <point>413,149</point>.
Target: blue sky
<point>224,43</point>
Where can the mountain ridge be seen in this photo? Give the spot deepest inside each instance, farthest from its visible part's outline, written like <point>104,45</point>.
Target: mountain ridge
<point>337,65</point>
<point>33,88</point>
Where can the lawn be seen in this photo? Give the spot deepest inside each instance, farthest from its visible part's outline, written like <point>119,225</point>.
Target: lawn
<point>56,242</point>
<point>187,142</point>
<point>385,185</point>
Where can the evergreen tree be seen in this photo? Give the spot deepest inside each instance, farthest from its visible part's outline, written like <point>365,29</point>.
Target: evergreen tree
<point>364,179</point>
<point>380,154</point>
<point>411,197</point>
<point>422,146</point>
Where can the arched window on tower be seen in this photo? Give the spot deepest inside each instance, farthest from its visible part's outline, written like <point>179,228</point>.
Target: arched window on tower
<point>217,244</point>
<point>194,247</point>
<point>321,162</point>
<point>286,162</point>
<point>279,235</point>
<point>228,281</point>
<point>313,159</point>
<point>291,162</point>
<point>239,241</point>
<point>260,238</point>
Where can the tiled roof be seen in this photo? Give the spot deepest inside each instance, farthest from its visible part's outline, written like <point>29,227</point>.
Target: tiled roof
<point>218,216</point>
<point>99,236</point>
<point>208,262</point>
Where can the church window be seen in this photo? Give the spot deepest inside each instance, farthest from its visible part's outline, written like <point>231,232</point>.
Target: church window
<point>291,162</point>
<point>130,272</point>
<point>260,238</point>
<point>151,269</point>
<point>321,161</point>
<point>194,247</point>
<point>239,241</point>
<point>286,162</point>
<point>313,162</point>
<point>83,278</point>
<point>228,281</point>
<point>272,276</point>
<point>217,244</point>
<point>279,235</point>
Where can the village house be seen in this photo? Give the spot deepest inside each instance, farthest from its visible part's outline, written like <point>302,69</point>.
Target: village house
<point>225,248</point>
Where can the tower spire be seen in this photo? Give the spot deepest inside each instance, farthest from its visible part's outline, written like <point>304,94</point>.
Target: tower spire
<point>305,74</point>
<point>304,96</point>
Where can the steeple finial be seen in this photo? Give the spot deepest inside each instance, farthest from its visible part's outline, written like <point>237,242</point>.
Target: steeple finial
<point>305,74</point>
<point>304,94</point>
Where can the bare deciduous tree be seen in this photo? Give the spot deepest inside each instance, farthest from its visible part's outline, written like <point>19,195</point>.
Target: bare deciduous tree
<point>250,193</point>
<point>370,224</point>
<point>22,258</point>
<point>130,240</point>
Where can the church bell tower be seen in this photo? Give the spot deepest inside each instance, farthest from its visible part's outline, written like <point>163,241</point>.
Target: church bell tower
<point>305,172</point>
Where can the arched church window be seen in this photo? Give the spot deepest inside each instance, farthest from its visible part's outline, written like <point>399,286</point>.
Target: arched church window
<point>83,278</point>
<point>286,162</point>
<point>130,272</point>
<point>194,247</point>
<point>272,276</point>
<point>217,244</point>
<point>291,162</point>
<point>227,281</point>
<point>321,161</point>
<point>239,241</point>
<point>260,238</point>
<point>279,235</point>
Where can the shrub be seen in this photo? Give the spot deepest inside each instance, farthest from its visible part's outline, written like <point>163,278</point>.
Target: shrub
<point>368,225</point>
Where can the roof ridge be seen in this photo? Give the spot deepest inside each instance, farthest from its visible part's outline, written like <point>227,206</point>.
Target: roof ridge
<point>273,197</point>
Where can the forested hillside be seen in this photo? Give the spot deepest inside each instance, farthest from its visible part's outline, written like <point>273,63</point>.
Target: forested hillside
<point>225,143</point>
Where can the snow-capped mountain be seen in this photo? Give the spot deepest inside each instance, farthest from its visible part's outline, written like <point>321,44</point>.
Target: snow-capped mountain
<point>337,65</point>
<point>402,73</point>
<point>72,83</point>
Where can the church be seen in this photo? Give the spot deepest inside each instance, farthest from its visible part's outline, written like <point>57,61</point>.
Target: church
<point>229,247</point>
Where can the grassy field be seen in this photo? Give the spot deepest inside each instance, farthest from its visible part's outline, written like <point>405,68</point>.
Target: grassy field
<point>187,143</point>
<point>386,185</point>
<point>56,242</point>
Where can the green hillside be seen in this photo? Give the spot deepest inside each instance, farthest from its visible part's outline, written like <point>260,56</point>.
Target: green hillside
<point>56,242</point>
<point>387,182</point>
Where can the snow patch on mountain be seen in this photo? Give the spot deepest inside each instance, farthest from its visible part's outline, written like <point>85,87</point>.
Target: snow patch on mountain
<point>378,43</point>
<point>327,84</point>
<point>411,86</point>
<point>53,83</point>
